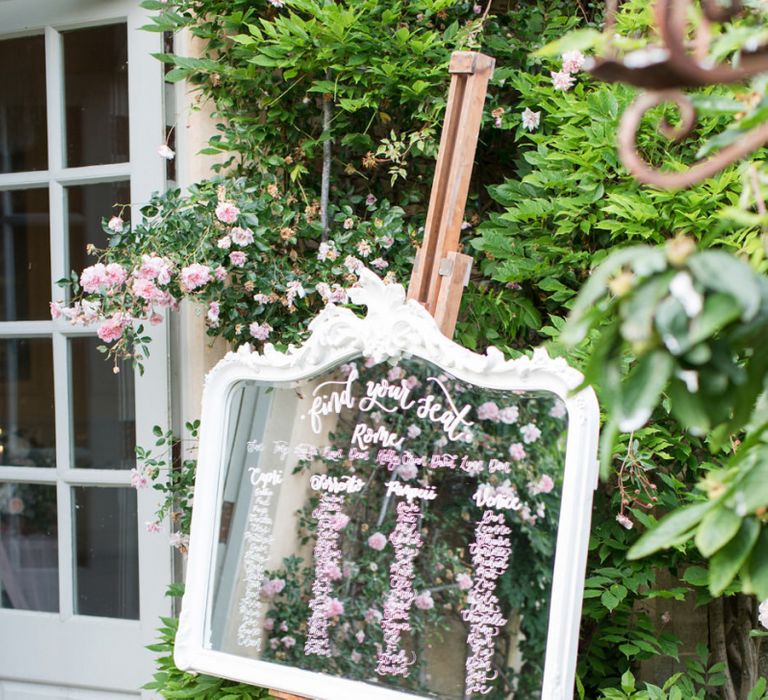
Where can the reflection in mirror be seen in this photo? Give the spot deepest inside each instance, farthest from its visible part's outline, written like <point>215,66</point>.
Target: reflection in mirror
<point>390,524</point>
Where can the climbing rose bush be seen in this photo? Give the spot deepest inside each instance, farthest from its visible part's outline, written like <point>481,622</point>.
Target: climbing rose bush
<point>252,257</point>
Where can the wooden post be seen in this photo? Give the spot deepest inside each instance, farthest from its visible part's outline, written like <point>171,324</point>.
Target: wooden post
<point>440,272</point>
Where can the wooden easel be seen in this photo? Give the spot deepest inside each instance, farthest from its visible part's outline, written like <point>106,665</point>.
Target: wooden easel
<point>440,271</point>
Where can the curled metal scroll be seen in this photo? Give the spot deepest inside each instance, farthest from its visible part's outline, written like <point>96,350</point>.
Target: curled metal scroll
<point>666,68</point>
<point>645,173</point>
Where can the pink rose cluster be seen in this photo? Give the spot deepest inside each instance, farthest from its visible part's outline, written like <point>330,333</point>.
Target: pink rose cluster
<point>573,62</point>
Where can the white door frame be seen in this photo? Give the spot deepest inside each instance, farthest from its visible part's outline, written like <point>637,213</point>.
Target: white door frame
<point>54,648</point>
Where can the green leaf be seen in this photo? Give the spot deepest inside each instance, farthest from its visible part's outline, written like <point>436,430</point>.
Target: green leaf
<point>669,529</point>
<point>725,564</point>
<point>725,273</point>
<point>757,566</point>
<point>696,576</point>
<point>577,40</point>
<point>641,390</point>
<point>717,528</point>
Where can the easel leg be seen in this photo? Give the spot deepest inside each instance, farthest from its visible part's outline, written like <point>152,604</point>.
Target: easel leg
<point>454,275</point>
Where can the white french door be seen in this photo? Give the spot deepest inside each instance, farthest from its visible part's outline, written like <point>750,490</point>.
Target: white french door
<point>82,581</point>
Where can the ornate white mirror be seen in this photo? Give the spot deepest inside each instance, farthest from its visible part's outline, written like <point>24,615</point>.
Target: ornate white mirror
<point>382,513</point>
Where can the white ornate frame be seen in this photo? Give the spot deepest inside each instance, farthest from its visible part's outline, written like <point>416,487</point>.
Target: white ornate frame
<point>392,327</point>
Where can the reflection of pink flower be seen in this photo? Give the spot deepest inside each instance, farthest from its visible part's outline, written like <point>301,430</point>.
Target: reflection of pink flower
<point>334,608</point>
<point>509,414</point>
<point>530,433</point>
<point>355,657</point>
<point>238,258</point>
<point>360,636</point>
<point>272,587</point>
<point>558,410</point>
<point>377,541</point>
<point>488,411</point>
<point>226,212</point>
<point>545,484</point>
<point>333,572</point>
<point>395,373</point>
<point>372,615</point>
<point>225,243</point>
<point>152,526</point>
<point>242,236</point>
<point>517,451</point>
<point>194,276</point>
<point>407,471</point>
<point>339,521</point>
<point>288,641</point>
<point>424,601</point>
<point>464,581</point>
<point>220,273</point>
<point>414,431</point>
<point>180,541</point>
<point>269,624</point>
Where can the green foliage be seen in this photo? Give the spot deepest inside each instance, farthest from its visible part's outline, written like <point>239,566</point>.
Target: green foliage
<point>173,684</point>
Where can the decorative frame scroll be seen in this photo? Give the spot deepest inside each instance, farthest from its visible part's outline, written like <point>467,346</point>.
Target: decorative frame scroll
<point>393,327</point>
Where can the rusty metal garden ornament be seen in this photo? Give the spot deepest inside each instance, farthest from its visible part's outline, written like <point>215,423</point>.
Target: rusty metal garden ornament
<point>679,61</point>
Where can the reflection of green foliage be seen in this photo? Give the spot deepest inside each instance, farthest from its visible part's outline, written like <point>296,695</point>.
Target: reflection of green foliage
<point>447,529</point>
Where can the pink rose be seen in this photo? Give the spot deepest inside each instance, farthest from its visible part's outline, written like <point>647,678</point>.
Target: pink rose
<point>220,273</point>
<point>260,331</point>
<point>213,313</point>
<point>116,274</point>
<point>94,279</point>
<point>377,541</point>
<point>144,289</point>
<point>154,268</point>
<point>226,212</point>
<point>112,328</point>
<point>194,276</point>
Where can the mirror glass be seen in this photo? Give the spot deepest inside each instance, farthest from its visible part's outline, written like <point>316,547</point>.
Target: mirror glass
<point>389,524</point>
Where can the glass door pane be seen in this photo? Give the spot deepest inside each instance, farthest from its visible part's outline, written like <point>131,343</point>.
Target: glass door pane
<point>107,552</point>
<point>96,95</point>
<point>27,427</point>
<point>23,123</point>
<point>103,412</point>
<point>29,559</point>
<point>25,257</point>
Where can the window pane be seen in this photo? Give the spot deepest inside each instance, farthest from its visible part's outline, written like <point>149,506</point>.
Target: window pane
<point>29,560</point>
<point>25,258</point>
<point>106,540</point>
<point>27,429</point>
<point>86,206</point>
<point>103,417</point>
<point>23,127</point>
<point>96,95</point>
